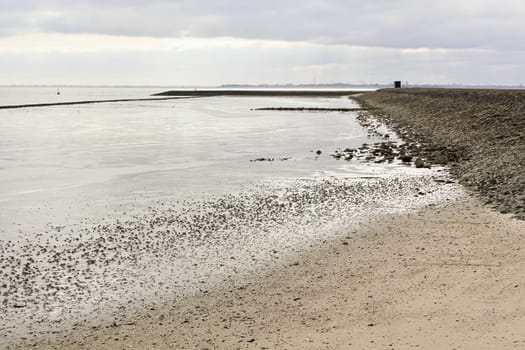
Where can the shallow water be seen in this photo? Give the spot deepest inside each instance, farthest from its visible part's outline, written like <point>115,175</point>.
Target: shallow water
<point>68,162</point>
<point>124,205</point>
<point>22,95</point>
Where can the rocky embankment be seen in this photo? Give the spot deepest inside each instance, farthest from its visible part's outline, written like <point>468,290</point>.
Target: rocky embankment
<point>479,133</point>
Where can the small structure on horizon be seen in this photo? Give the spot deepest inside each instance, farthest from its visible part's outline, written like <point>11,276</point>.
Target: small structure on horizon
<point>397,84</point>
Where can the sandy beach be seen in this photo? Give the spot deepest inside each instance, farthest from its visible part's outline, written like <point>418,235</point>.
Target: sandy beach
<point>446,276</point>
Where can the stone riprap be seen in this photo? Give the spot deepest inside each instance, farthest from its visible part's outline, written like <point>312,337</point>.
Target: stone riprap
<point>479,133</point>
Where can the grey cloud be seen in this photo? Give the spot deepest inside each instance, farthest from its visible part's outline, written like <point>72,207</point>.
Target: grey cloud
<point>253,64</point>
<point>382,23</point>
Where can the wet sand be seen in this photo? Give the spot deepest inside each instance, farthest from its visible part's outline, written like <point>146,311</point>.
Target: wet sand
<point>100,272</point>
<point>443,277</point>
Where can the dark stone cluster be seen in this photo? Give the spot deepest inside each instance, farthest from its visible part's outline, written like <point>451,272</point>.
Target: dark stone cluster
<point>478,133</point>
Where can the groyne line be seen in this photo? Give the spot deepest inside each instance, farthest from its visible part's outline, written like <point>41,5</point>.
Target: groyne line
<point>312,109</point>
<point>178,94</point>
<point>260,93</point>
<point>89,102</point>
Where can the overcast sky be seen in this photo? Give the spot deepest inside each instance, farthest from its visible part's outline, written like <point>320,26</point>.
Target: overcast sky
<point>212,42</point>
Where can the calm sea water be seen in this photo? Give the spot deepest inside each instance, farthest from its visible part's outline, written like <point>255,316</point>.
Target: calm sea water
<point>20,95</point>
<point>63,163</point>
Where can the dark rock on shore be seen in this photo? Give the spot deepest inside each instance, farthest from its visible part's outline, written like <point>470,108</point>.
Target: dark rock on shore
<point>478,133</point>
<point>380,152</point>
<point>420,163</point>
<point>406,158</point>
<point>262,160</point>
<point>270,159</point>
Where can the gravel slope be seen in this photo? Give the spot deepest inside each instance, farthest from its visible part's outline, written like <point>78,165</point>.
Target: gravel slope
<point>479,133</point>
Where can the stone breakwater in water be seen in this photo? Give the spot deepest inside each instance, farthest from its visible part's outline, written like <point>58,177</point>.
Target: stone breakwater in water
<point>480,134</point>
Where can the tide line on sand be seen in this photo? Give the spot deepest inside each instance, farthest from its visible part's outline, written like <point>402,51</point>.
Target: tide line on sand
<point>414,280</point>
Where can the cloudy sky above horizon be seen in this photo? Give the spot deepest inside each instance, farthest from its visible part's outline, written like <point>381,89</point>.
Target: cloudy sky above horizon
<point>213,42</point>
